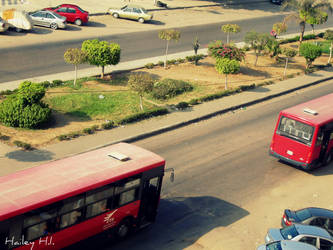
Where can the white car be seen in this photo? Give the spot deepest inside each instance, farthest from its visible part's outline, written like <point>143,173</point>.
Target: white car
<point>17,19</point>
<point>3,25</point>
<point>286,245</point>
<point>48,19</point>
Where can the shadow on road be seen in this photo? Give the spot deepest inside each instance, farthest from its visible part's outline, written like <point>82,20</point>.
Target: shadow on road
<point>180,223</point>
<point>95,24</point>
<point>30,156</point>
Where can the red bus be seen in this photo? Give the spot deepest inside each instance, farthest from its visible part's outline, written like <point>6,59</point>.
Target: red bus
<point>303,135</point>
<point>115,189</point>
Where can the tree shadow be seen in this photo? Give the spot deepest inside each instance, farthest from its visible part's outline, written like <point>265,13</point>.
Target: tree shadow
<point>59,119</point>
<point>30,156</point>
<point>180,222</point>
<point>254,72</point>
<point>259,90</point>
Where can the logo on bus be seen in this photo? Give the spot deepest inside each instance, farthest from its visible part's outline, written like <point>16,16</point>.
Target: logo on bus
<point>109,220</point>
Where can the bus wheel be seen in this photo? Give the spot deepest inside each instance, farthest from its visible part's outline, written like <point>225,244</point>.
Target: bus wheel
<point>123,229</point>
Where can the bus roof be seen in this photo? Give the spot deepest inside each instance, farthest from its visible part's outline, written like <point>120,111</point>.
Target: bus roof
<point>38,186</point>
<point>322,106</point>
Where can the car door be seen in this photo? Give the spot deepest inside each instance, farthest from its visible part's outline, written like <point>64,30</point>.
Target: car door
<point>312,240</point>
<point>49,19</point>
<point>62,11</point>
<point>325,244</point>
<point>43,19</point>
<point>71,15</point>
<point>36,17</point>
<point>128,13</point>
<point>136,13</point>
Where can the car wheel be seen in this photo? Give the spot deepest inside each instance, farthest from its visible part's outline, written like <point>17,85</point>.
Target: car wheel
<point>78,22</point>
<point>123,229</point>
<point>141,20</point>
<point>54,26</point>
<point>115,15</point>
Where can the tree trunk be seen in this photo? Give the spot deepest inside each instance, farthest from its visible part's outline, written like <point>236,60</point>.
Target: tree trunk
<point>329,59</point>
<point>285,68</point>
<point>302,26</point>
<point>228,37</point>
<point>312,27</point>
<point>141,106</point>
<point>255,62</point>
<point>166,53</point>
<point>102,75</point>
<point>226,82</point>
<point>75,66</point>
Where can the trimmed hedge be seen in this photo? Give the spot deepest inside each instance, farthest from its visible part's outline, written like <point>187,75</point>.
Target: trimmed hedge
<point>143,115</point>
<point>168,88</point>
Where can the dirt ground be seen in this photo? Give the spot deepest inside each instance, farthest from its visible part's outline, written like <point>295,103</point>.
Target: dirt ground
<point>204,74</point>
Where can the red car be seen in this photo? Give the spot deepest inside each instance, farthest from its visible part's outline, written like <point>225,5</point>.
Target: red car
<point>73,13</point>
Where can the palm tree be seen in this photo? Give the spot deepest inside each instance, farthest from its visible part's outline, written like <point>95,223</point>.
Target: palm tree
<point>305,11</point>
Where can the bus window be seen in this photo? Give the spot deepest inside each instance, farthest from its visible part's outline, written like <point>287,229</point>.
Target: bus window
<point>319,138</point>
<point>296,130</point>
<point>71,211</point>
<point>126,191</point>
<point>97,200</point>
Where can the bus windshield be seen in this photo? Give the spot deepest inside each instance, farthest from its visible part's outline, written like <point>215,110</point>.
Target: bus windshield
<point>296,130</point>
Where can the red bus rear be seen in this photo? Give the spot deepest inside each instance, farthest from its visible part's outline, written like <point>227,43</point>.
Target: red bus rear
<point>303,135</point>
<point>114,189</point>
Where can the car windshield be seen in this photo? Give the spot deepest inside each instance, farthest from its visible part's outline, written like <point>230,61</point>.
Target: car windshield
<point>274,246</point>
<point>80,9</point>
<point>303,214</point>
<point>144,10</point>
<point>296,130</point>
<point>57,15</point>
<point>289,232</point>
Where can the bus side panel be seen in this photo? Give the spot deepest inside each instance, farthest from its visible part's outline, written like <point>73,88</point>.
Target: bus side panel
<point>85,229</point>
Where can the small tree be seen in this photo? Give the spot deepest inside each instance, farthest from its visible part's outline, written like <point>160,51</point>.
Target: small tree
<point>310,52</point>
<point>196,45</point>
<point>217,49</point>
<point>141,83</point>
<point>75,57</point>
<point>233,28</point>
<point>289,53</point>
<point>280,28</point>
<point>318,18</point>
<point>226,66</point>
<point>273,47</point>
<point>329,37</point>
<point>168,35</point>
<point>101,53</point>
<point>258,42</point>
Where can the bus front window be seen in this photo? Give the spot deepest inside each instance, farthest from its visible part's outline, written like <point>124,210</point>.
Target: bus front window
<point>296,130</point>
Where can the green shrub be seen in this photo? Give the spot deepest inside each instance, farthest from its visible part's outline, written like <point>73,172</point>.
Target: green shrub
<point>108,125</point>
<point>25,146</point>
<point>149,65</point>
<point>218,49</point>
<point>56,83</point>
<point>195,58</point>
<point>168,88</point>
<point>182,105</point>
<point>160,63</point>
<point>63,137</point>
<point>29,93</point>
<point>247,87</point>
<point>144,115</point>
<point>194,101</point>
<point>45,84</point>
<point>310,52</point>
<point>172,61</point>
<point>74,135</point>
<point>8,92</point>
<point>94,127</point>
<point>4,137</point>
<point>88,131</point>
<point>180,60</point>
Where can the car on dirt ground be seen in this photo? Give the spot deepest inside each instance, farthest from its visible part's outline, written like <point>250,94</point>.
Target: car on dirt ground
<point>134,12</point>
<point>286,245</point>
<point>277,1</point>
<point>3,25</point>
<point>314,216</point>
<point>48,19</point>
<point>312,235</point>
<point>72,12</point>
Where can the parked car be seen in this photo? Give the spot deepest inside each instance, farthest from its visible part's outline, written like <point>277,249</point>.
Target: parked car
<point>277,1</point>
<point>134,12</point>
<point>73,13</point>
<point>3,25</point>
<point>286,245</point>
<point>314,216</point>
<point>17,19</point>
<point>48,19</point>
<point>312,235</point>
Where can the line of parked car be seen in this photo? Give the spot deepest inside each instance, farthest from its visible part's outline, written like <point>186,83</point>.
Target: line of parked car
<point>59,16</point>
<point>306,229</point>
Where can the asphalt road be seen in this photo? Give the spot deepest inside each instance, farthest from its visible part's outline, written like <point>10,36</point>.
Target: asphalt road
<point>220,165</point>
<point>30,61</point>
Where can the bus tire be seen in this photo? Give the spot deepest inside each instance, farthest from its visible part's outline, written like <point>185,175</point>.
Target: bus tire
<point>328,158</point>
<point>123,229</point>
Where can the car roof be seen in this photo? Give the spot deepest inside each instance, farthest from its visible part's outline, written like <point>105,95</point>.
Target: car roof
<point>312,230</point>
<point>67,5</point>
<point>317,211</point>
<point>134,6</point>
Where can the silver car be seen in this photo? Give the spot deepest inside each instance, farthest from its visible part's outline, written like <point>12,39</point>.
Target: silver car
<point>312,235</point>
<point>134,12</point>
<point>48,19</point>
<point>286,245</point>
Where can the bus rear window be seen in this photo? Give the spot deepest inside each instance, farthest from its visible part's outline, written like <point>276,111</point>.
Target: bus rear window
<point>296,130</point>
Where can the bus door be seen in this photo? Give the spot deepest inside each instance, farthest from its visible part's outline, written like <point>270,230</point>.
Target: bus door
<point>150,196</point>
<point>324,140</point>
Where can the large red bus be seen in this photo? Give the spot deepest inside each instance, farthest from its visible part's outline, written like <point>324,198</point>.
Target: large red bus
<point>303,135</point>
<point>115,188</point>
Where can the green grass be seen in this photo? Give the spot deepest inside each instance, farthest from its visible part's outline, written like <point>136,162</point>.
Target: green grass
<point>115,105</point>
